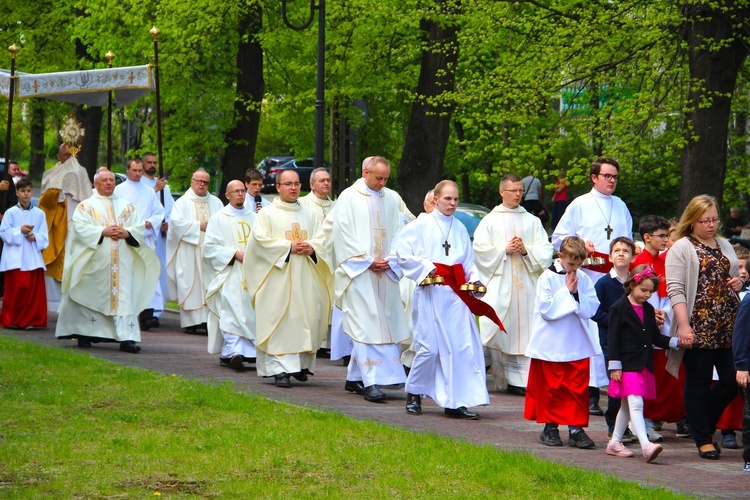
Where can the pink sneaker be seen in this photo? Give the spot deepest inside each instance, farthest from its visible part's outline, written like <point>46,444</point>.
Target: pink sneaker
<point>651,451</point>
<point>617,449</point>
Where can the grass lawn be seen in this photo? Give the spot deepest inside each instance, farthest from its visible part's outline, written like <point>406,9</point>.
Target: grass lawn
<point>73,426</point>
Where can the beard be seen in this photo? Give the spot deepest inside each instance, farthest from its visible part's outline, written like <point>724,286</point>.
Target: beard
<point>151,171</point>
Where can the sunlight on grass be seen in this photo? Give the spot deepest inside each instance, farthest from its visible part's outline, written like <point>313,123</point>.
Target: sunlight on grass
<point>75,426</point>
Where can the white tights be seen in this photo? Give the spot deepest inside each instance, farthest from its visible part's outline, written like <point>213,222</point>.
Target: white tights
<point>631,410</point>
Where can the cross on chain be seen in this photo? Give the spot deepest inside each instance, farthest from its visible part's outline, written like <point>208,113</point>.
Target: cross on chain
<point>607,229</point>
<point>447,247</point>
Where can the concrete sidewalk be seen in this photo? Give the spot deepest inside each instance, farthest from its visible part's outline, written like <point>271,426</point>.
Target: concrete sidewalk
<point>169,351</point>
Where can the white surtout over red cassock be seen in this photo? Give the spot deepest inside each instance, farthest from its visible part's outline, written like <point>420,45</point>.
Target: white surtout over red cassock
<point>231,319</point>
<point>511,287</point>
<point>288,291</point>
<point>560,346</point>
<point>366,225</point>
<point>185,254</point>
<point>449,361</point>
<point>25,299</point>
<point>106,282</point>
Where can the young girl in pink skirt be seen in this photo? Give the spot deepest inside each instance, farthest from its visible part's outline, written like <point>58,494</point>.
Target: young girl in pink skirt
<point>632,334</point>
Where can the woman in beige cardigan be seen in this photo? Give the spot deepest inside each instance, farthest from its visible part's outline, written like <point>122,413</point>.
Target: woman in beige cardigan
<point>702,283</point>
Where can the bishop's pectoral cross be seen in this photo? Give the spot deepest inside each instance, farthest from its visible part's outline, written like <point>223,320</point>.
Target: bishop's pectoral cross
<point>608,230</point>
<point>447,247</point>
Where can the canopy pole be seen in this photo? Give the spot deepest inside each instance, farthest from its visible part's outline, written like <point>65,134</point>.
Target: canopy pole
<point>155,33</point>
<point>109,56</point>
<point>5,176</point>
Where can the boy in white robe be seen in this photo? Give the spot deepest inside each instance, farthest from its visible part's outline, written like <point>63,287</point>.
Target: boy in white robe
<point>24,234</point>
<point>560,346</point>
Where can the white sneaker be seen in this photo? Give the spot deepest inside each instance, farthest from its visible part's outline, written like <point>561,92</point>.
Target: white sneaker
<point>653,436</point>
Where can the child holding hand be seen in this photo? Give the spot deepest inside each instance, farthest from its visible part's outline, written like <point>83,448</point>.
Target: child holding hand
<point>632,334</point>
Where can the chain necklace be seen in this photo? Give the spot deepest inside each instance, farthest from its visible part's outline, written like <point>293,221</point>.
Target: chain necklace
<point>608,229</point>
<point>445,245</point>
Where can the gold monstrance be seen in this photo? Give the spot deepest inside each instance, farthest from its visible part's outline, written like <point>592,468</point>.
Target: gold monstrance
<point>72,134</point>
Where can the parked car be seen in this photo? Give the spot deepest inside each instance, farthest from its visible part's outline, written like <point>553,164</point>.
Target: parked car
<point>268,167</point>
<point>469,215</point>
<point>303,167</point>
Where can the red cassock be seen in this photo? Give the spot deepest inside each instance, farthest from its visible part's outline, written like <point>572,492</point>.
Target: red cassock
<point>557,392</point>
<point>731,419</point>
<point>25,300</point>
<point>669,405</point>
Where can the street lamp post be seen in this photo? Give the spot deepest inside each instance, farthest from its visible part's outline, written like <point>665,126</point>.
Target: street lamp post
<point>320,92</point>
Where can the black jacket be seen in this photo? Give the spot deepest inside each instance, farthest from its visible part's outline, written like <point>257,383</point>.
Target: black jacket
<point>630,341</point>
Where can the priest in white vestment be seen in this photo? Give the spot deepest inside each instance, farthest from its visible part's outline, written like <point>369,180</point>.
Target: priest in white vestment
<point>63,187</point>
<point>151,180</point>
<point>511,251</point>
<point>148,208</point>
<point>321,204</point>
<point>449,362</point>
<point>187,228</point>
<point>231,319</point>
<point>365,229</point>
<point>109,271</point>
<point>597,217</point>
<point>287,277</point>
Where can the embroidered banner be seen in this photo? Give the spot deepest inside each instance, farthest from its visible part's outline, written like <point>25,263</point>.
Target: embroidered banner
<point>83,87</point>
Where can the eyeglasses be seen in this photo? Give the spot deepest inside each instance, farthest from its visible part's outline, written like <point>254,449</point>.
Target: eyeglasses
<point>610,177</point>
<point>662,236</point>
<point>202,183</point>
<point>290,184</point>
<point>519,191</point>
<point>237,191</point>
<point>708,222</point>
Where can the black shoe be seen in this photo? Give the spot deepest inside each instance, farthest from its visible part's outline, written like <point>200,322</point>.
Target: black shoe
<point>516,391</point>
<point>730,442</point>
<point>683,430</point>
<point>323,353</point>
<point>352,386</point>
<point>580,439</point>
<point>302,377</point>
<point>145,325</point>
<point>84,343</point>
<point>373,394</point>
<point>594,409</point>
<point>248,360</point>
<point>551,437</point>
<point>129,346</point>
<point>155,322</point>
<point>413,404</point>
<point>460,412</point>
<point>191,329</point>
<point>282,380</point>
<point>345,360</point>
<point>235,362</point>
<point>710,454</point>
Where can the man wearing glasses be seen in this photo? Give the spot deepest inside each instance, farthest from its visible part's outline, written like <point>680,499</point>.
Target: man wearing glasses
<point>185,236</point>
<point>597,217</point>
<point>287,279</point>
<point>231,319</point>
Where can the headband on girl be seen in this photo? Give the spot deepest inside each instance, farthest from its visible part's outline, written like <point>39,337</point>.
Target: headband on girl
<point>646,273</point>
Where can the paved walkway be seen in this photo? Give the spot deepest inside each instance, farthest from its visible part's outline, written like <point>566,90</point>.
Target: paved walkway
<point>168,350</point>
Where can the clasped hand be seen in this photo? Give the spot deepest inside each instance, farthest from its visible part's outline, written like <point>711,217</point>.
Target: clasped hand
<point>515,245</point>
<point>379,265</point>
<point>115,232</point>
<point>301,248</point>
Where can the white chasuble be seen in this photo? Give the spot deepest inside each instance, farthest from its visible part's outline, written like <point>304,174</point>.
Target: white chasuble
<point>288,291</point>
<point>106,282</point>
<point>365,226</point>
<point>449,362</point>
<point>510,278</point>
<point>227,296</point>
<point>185,254</point>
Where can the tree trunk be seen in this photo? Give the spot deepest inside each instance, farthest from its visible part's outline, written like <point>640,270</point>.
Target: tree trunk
<point>713,75</point>
<point>36,162</point>
<point>421,165</point>
<point>243,137</point>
